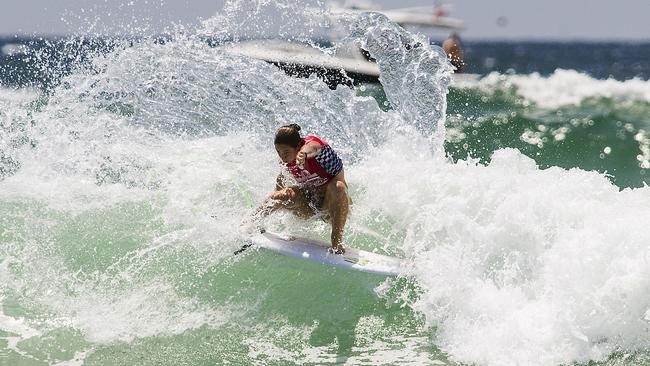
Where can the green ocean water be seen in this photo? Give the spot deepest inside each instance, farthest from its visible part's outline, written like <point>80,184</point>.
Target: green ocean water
<point>276,310</point>
<point>523,232</point>
<point>121,284</point>
<point>600,133</point>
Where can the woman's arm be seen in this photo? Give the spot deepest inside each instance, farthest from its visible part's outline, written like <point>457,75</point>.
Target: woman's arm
<point>308,150</point>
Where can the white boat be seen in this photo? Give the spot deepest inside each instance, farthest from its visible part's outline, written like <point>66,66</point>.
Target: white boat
<point>13,49</point>
<point>350,64</point>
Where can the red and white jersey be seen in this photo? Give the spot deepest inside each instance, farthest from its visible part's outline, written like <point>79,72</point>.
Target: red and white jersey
<point>320,169</point>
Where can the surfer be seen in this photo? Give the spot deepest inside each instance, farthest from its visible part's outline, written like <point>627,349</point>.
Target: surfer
<point>319,186</point>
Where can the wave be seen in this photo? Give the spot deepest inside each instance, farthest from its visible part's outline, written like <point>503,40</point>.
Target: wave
<point>563,88</point>
<point>119,219</point>
<point>517,265</point>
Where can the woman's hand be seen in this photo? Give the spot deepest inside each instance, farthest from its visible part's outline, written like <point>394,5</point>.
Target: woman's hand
<point>301,158</point>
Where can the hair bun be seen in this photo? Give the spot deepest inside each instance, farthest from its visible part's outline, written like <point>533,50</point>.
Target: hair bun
<point>288,135</point>
<point>294,126</point>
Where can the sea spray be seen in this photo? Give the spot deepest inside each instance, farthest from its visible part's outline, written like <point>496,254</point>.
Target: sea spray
<point>119,223</point>
<point>239,20</point>
<point>414,74</point>
<point>124,201</point>
<point>520,265</point>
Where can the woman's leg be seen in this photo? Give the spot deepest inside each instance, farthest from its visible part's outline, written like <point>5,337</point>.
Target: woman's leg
<point>291,198</point>
<point>337,203</point>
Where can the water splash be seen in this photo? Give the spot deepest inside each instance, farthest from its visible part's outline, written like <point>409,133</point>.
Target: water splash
<point>414,74</point>
<point>125,204</point>
<point>520,265</point>
<point>303,21</point>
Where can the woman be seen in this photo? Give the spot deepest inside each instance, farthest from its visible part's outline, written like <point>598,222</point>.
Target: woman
<point>320,182</point>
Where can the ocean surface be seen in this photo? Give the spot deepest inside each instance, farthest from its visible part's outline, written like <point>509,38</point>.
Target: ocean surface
<point>517,198</point>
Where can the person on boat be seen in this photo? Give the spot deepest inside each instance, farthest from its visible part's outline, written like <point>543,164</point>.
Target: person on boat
<point>454,51</point>
<point>319,186</point>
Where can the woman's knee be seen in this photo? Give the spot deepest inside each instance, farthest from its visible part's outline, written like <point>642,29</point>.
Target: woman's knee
<point>338,187</point>
<point>337,190</point>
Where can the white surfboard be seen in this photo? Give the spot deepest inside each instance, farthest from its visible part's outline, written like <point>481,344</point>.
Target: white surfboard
<point>317,251</point>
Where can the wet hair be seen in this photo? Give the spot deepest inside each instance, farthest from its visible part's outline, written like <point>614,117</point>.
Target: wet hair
<point>288,135</point>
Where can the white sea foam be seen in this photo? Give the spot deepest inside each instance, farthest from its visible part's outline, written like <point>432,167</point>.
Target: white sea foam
<point>14,121</point>
<point>142,312</point>
<point>518,265</point>
<point>78,359</point>
<point>20,95</point>
<point>375,344</point>
<point>103,311</point>
<point>131,136</point>
<point>564,87</point>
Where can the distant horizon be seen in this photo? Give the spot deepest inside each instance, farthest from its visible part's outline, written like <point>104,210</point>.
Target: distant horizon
<point>463,38</point>
<point>499,20</point>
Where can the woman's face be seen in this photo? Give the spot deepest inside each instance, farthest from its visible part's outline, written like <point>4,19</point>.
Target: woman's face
<point>286,152</point>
